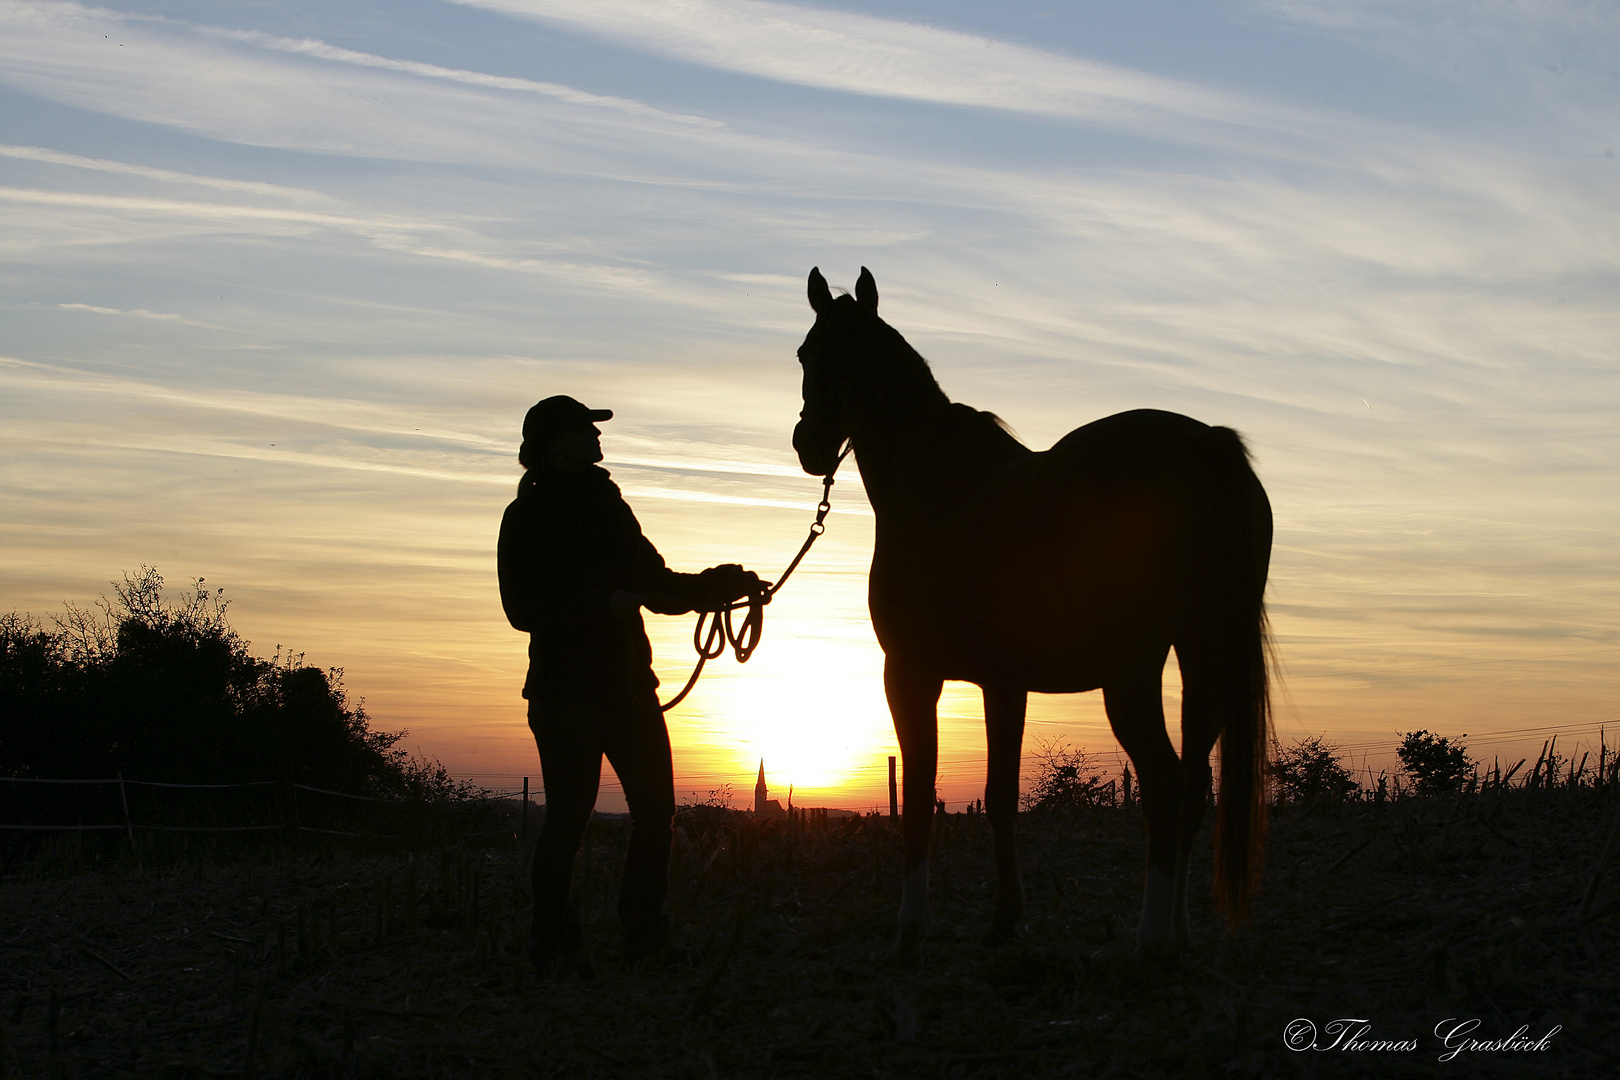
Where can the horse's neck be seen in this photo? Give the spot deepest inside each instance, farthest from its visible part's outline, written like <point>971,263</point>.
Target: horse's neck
<point>917,449</point>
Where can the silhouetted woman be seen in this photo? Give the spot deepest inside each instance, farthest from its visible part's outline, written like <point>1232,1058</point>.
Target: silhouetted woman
<point>574,572</point>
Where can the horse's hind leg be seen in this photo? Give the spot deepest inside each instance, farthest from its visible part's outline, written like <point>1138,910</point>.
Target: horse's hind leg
<point>1136,713</point>
<point>1200,727</point>
<point>913,701</point>
<point>1004,734</point>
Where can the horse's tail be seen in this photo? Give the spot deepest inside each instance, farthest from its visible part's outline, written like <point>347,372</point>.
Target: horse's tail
<point>1238,583</point>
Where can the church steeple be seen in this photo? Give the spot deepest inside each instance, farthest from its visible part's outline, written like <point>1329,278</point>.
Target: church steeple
<point>759,790</point>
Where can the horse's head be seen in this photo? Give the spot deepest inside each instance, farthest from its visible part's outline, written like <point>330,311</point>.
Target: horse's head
<point>826,356</point>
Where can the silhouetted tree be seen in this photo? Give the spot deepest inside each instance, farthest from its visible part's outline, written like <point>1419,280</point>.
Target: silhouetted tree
<point>1310,769</point>
<point>164,689</point>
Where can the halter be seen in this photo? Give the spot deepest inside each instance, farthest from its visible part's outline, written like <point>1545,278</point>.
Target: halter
<point>710,638</point>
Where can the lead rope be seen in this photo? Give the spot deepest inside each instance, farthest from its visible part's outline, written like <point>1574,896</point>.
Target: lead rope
<point>714,629</point>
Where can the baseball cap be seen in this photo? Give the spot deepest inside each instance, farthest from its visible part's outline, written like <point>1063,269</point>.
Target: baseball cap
<point>559,413</point>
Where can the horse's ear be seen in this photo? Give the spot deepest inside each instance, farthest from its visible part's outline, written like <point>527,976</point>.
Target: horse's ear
<point>820,295</point>
<point>866,289</point>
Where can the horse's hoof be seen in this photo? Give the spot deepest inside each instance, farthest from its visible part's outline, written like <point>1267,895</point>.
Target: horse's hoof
<point>908,950</point>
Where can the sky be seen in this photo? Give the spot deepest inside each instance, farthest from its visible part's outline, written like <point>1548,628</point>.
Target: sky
<point>279,280</point>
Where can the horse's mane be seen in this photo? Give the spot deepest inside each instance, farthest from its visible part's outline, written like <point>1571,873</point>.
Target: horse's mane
<point>1000,423</point>
<point>895,378</point>
<point>898,383</point>
<point>993,436</point>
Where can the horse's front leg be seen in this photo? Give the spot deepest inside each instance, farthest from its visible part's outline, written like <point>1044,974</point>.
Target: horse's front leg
<point>1004,735</point>
<point>913,701</point>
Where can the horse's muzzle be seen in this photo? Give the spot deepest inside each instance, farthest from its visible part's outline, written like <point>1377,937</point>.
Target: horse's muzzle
<point>817,450</point>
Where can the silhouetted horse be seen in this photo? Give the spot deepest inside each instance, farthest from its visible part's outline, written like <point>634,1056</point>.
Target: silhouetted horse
<point>1055,572</point>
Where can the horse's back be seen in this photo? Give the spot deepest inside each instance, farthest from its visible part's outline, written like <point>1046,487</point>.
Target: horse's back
<point>1128,446</point>
<point>1097,545</point>
<point>1101,477</point>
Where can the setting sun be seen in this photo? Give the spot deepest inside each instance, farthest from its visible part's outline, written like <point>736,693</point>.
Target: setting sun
<point>809,701</point>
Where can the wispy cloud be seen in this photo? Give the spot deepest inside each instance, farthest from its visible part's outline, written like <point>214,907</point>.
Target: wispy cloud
<point>139,313</point>
<point>318,431</point>
<point>1547,64</point>
<point>428,239</point>
<point>868,55</point>
<point>1469,197</point>
<point>889,58</point>
<point>320,50</point>
<point>653,491</point>
<point>220,81</point>
<point>392,230</point>
<point>167,176</point>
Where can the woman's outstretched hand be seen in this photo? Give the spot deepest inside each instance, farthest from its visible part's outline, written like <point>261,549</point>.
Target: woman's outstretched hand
<point>727,582</point>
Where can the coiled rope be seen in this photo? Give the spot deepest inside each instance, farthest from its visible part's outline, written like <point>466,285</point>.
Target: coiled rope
<point>715,629</point>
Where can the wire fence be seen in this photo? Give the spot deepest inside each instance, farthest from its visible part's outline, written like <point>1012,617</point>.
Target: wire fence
<point>272,806</point>
<point>960,776</point>
<point>63,805</point>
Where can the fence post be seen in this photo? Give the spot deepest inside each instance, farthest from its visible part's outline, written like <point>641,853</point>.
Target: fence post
<point>894,792</point>
<point>129,826</point>
<point>290,808</point>
<point>523,826</point>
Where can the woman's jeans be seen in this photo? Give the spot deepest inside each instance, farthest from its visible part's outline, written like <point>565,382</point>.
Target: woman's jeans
<point>573,730</point>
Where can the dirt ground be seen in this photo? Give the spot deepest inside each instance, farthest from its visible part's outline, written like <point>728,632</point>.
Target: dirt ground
<point>328,962</point>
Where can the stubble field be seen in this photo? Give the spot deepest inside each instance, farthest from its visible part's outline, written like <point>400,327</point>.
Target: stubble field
<point>330,962</point>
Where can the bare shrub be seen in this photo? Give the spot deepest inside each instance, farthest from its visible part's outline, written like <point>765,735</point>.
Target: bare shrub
<point>1066,779</point>
<point>1310,770</point>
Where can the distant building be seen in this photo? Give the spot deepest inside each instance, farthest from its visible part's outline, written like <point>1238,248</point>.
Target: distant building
<point>763,807</point>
